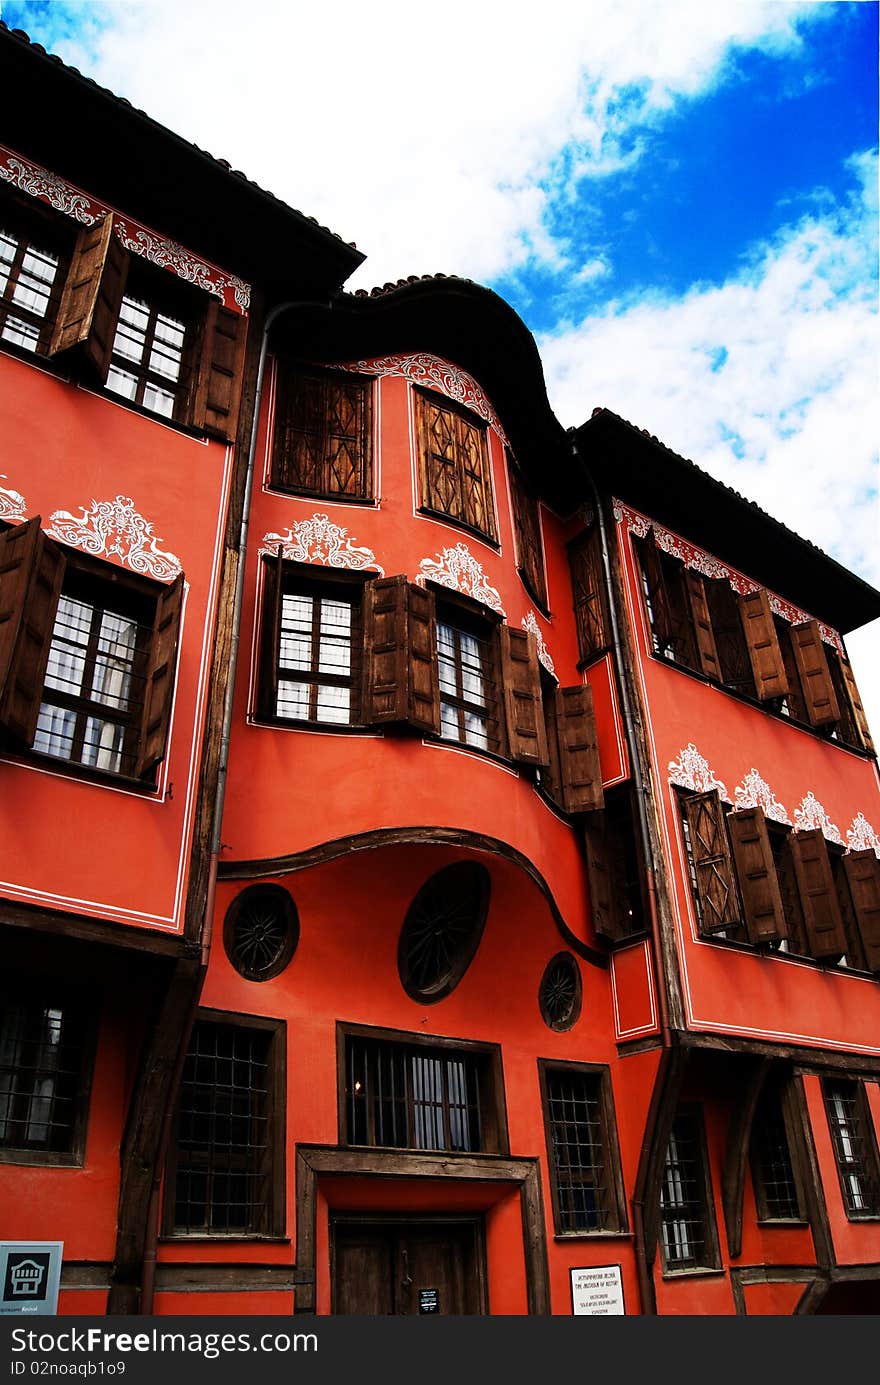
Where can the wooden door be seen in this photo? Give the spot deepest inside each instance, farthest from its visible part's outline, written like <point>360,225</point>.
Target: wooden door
<point>408,1268</point>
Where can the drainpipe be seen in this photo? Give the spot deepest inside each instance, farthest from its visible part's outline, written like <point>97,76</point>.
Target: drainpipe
<point>646,1285</point>
<point>148,1277</point>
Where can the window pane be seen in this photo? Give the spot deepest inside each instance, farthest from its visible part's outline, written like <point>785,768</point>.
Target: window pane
<point>41,1054</point>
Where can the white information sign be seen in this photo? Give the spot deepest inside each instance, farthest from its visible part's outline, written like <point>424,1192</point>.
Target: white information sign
<point>597,1292</point>
<point>30,1272</point>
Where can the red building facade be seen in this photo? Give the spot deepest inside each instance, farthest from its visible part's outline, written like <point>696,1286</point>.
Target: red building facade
<point>441,850</point>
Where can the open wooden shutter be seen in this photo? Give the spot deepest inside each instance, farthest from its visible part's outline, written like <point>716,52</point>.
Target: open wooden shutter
<point>756,871</point>
<point>588,591</point>
<point>270,634</point>
<point>658,596</point>
<point>863,874</point>
<point>92,296</point>
<point>605,901</point>
<point>822,920</point>
<point>710,852</point>
<point>819,695</point>
<point>579,768</point>
<point>218,387</point>
<point>400,655</point>
<point>521,676</point>
<point>31,573</point>
<point>855,702</point>
<point>160,670</point>
<point>768,664</point>
<point>704,637</point>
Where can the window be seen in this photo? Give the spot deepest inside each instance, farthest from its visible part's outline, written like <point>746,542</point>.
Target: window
<point>527,532</point>
<point>585,1179</point>
<point>261,931</point>
<point>560,993</point>
<point>412,1092</point>
<point>322,444</point>
<point>87,668</point>
<point>665,599</point>
<point>855,1146</point>
<point>588,591</point>
<point>46,1042</point>
<point>614,867</point>
<point>153,347</point>
<point>470,710</point>
<point>31,270</point>
<point>687,1219</point>
<point>777,1194</point>
<point>442,930</point>
<point>454,464</point>
<point>226,1168</point>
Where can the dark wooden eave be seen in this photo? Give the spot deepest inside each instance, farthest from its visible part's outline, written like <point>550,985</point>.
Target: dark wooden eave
<point>635,467</point>
<point>52,114</point>
<point>464,323</point>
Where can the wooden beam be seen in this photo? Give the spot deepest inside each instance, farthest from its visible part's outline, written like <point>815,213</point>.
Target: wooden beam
<point>738,1138</point>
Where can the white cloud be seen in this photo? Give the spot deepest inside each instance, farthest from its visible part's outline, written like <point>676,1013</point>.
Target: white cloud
<point>430,138</point>
<point>768,381</point>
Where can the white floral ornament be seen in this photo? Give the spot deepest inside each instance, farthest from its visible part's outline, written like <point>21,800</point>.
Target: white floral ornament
<point>755,792</point>
<point>319,540</point>
<point>530,622</point>
<point>39,182</point>
<point>861,836</point>
<point>12,505</point>
<point>692,771</point>
<point>423,368</point>
<point>114,528</point>
<point>811,815</point>
<point>458,569</point>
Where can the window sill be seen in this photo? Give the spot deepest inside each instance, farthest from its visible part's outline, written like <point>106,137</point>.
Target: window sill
<point>701,1272</point>
<point>38,1158</point>
<point>461,524</point>
<point>563,1236</point>
<point>814,731</point>
<point>227,1237</point>
<point>328,497</point>
<point>336,728</point>
<point>84,773</point>
<point>771,954</point>
<point>858,1217</point>
<point>174,424</point>
<point>783,1224</point>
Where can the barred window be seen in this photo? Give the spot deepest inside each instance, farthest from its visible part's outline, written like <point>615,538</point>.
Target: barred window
<point>855,1146</point>
<point>776,1188</point>
<point>223,1175</point>
<point>687,1222</point>
<point>408,1094</point>
<point>44,1052</point>
<point>582,1151</point>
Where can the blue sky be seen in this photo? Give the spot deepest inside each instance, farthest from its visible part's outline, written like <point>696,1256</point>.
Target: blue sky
<point>679,199</point>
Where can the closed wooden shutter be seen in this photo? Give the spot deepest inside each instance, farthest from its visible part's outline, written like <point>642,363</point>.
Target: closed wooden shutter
<point>400,657</point>
<point>812,665</point>
<point>521,677</point>
<point>756,872</point>
<point>588,591</point>
<point>218,387</point>
<point>822,920</point>
<point>766,656</point>
<point>454,465</point>
<point>160,670</point>
<point>579,767</point>
<point>92,297</point>
<point>323,433</point>
<point>857,710</point>
<point>605,902</point>
<point>710,853</point>
<point>527,529</point>
<point>31,574</point>
<point>270,634</point>
<point>704,638</point>
<point>863,874</point>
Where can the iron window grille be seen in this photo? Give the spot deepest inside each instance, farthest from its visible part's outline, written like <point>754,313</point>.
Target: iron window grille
<point>470,707</point>
<point>776,1188</point>
<point>855,1146</point>
<point>45,1051</point>
<point>322,442</point>
<point>687,1225</point>
<point>411,1096</point>
<point>228,1148</point>
<point>584,1162</point>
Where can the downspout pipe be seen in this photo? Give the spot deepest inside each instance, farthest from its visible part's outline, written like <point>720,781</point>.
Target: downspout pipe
<point>148,1276</point>
<point>646,1286</point>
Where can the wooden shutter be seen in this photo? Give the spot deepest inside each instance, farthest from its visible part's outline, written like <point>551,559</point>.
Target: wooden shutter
<point>160,670</point>
<point>658,596</point>
<point>579,767</point>
<point>756,871</point>
<point>710,852</point>
<point>521,676</point>
<point>704,637</point>
<point>768,665</point>
<point>400,655</point>
<point>527,528</point>
<point>221,367</point>
<point>270,634</point>
<point>822,919</point>
<point>588,591</point>
<point>855,702</point>
<point>31,573</point>
<point>92,296</point>
<point>605,899</point>
<point>454,464</point>
<point>863,874</point>
<point>812,665</point>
